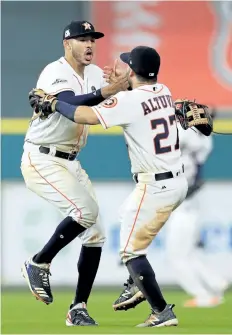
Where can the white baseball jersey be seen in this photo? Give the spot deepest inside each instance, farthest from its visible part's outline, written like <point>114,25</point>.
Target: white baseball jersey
<point>195,149</point>
<point>57,130</point>
<point>147,117</point>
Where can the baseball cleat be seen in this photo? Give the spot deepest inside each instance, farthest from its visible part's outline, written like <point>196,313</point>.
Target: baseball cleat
<point>37,277</point>
<point>164,319</point>
<point>130,297</point>
<point>79,316</point>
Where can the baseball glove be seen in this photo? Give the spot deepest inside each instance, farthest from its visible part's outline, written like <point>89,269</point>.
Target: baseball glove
<point>42,103</point>
<point>192,114</point>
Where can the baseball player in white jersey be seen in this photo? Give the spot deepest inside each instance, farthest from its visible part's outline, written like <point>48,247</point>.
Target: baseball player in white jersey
<point>50,168</point>
<point>147,116</point>
<point>183,228</point>
<point>182,235</point>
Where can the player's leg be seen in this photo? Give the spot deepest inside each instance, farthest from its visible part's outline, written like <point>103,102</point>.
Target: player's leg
<point>50,179</point>
<point>212,279</point>
<point>181,238</point>
<point>131,295</point>
<point>181,245</point>
<point>89,259</point>
<point>145,212</point>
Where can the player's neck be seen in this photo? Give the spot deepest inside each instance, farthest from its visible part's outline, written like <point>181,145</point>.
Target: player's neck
<point>137,84</point>
<point>78,68</point>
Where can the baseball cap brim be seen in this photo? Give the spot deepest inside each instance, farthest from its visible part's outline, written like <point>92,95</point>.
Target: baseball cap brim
<point>94,34</point>
<point>125,57</point>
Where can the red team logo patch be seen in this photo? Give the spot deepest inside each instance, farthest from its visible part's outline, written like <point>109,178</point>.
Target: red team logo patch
<point>109,103</point>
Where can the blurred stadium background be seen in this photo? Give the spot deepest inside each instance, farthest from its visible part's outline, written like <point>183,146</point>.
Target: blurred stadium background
<point>195,43</point>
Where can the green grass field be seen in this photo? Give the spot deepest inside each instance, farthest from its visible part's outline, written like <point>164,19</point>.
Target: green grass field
<point>22,314</point>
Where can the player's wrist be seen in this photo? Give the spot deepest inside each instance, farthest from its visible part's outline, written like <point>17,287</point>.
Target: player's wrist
<point>107,91</point>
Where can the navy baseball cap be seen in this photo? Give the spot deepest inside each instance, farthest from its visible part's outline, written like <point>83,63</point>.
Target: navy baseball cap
<point>144,61</point>
<point>79,29</point>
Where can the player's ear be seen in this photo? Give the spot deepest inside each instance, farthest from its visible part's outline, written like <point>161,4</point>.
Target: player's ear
<point>131,73</point>
<point>67,45</point>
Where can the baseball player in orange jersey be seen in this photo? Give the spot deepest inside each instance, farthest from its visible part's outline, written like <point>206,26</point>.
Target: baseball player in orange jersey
<point>50,168</point>
<point>147,116</point>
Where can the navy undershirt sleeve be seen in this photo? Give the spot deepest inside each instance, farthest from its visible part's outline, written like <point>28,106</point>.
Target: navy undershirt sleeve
<point>89,99</point>
<point>66,110</point>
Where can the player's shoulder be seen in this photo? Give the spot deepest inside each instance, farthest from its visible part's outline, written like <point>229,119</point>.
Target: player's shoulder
<point>131,96</point>
<point>53,73</point>
<point>53,67</point>
<point>125,95</point>
<point>117,100</point>
<point>162,89</point>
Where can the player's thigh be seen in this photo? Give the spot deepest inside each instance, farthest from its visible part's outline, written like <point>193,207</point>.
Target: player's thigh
<point>95,235</point>
<point>145,212</point>
<point>53,182</point>
<point>142,216</point>
<point>84,180</point>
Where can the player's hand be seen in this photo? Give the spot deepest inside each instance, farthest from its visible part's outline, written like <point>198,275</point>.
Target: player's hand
<point>110,73</point>
<point>121,84</point>
<point>107,72</point>
<point>117,79</point>
<point>42,103</point>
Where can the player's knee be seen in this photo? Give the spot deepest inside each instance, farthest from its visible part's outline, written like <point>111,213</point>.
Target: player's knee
<point>86,216</point>
<point>92,213</point>
<point>96,240</point>
<point>127,255</point>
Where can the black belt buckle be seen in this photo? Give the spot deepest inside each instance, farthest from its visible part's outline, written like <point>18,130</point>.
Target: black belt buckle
<point>72,156</point>
<point>163,176</point>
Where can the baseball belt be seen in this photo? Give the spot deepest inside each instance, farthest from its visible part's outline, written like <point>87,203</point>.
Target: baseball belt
<point>59,154</point>
<point>161,176</point>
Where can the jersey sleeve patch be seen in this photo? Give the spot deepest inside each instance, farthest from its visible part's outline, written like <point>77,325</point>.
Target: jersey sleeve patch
<point>110,102</point>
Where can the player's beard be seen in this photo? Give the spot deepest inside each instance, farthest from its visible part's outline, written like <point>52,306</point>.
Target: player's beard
<point>80,58</point>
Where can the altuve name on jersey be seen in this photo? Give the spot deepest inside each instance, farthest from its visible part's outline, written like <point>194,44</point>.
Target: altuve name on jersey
<point>161,102</point>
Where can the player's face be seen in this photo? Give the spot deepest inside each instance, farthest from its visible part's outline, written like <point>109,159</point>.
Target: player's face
<point>82,49</point>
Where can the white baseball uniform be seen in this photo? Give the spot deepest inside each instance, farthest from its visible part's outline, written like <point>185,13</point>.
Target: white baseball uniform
<point>61,182</point>
<point>183,228</point>
<point>147,117</point>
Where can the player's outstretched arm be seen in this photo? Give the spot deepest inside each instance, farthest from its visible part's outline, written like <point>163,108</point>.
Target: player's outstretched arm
<point>45,104</point>
<point>91,99</point>
<point>81,114</point>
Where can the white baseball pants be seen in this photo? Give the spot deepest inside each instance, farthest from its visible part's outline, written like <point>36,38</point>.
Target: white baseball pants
<point>146,210</point>
<point>65,185</point>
